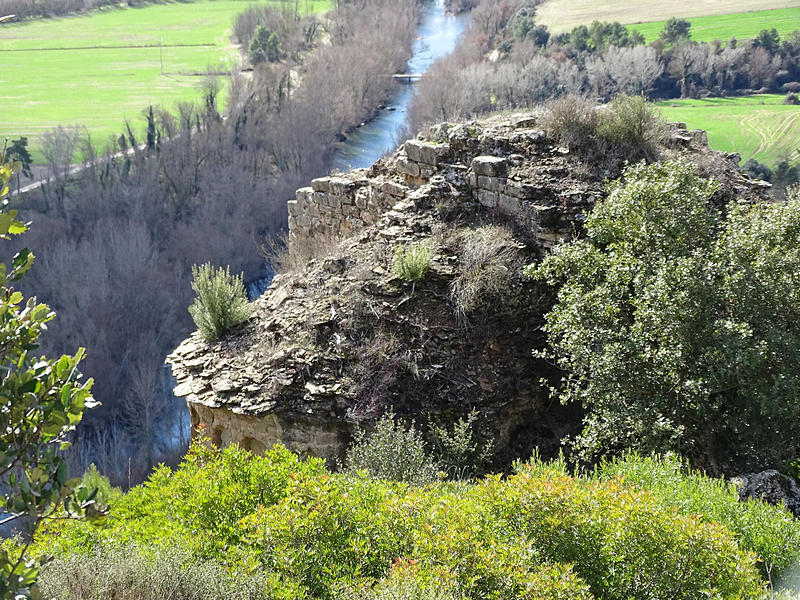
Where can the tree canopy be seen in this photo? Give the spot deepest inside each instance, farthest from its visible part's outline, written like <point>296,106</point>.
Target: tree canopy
<point>678,322</point>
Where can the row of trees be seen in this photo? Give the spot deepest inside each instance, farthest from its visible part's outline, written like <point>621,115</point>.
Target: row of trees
<point>602,60</point>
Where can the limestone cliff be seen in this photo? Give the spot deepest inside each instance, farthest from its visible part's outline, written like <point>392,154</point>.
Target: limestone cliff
<point>338,342</point>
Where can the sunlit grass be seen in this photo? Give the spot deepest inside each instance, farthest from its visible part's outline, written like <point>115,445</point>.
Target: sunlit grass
<point>758,127</point>
<point>742,26</point>
<point>84,70</point>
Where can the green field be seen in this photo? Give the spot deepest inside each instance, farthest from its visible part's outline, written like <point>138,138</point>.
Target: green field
<point>104,67</point>
<point>563,15</point>
<point>757,127</point>
<point>742,26</point>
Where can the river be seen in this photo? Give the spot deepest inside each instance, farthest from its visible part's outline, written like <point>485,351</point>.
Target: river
<point>437,35</point>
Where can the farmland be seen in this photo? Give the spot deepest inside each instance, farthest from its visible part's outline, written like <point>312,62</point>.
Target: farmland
<point>744,25</point>
<point>563,15</point>
<point>758,127</point>
<point>101,68</point>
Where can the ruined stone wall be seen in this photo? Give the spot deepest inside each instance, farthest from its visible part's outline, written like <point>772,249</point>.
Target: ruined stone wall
<point>490,164</point>
<point>485,168</point>
<point>290,377</point>
<point>338,206</point>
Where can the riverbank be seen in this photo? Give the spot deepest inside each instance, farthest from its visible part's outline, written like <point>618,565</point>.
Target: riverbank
<point>438,34</point>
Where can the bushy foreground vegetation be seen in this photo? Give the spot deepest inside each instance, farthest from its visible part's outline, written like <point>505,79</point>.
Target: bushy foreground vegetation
<point>288,528</point>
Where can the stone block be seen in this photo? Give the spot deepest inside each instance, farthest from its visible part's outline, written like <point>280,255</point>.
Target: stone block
<point>425,152</point>
<point>492,184</point>
<point>509,204</point>
<point>523,191</point>
<point>699,138</point>
<point>341,185</point>
<point>361,199</point>
<point>350,210</point>
<point>394,189</point>
<point>321,184</point>
<point>304,195</point>
<point>488,199</point>
<point>426,172</point>
<point>302,221</point>
<point>407,167</point>
<point>335,202</point>
<point>490,166</point>
<point>332,185</point>
<point>293,208</point>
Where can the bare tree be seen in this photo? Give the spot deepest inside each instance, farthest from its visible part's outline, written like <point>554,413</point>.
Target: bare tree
<point>59,147</point>
<point>633,70</point>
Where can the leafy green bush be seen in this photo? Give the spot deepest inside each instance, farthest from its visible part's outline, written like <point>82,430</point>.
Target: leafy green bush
<point>412,263</point>
<point>622,542</point>
<point>401,584</point>
<point>128,573</point>
<point>771,532</point>
<point>539,534</point>
<point>392,451</point>
<point>41,403</point>
<point>457,451</point>
<point>220,304</point>
<point>631,127</point>
<point>680,325</point>
<point>488,258</point>
<point>93,480</point>
<point>211,492</point>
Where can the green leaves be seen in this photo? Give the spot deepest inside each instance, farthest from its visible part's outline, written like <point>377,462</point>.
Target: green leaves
<point>220,304</point>
<point>680,324</point>
<point>41,402</point>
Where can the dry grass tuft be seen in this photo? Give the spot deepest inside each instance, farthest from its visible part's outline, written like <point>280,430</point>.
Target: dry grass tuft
<point>488,259</point>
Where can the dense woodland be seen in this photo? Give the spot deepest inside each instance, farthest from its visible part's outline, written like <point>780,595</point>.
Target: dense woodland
<point>115,245</point>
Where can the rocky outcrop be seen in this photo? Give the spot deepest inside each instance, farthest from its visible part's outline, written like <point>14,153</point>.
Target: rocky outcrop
<point>770,486</point>
<point>336,343</point>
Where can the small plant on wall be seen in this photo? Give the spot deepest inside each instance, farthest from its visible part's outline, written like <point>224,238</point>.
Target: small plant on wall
<point>220,304</point>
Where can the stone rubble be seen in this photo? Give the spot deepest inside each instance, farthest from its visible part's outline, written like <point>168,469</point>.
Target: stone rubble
<point>299,372</point>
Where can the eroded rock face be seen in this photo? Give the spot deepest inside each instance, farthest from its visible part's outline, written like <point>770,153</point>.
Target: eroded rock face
<point>342,340</point>
<point>770,486</point>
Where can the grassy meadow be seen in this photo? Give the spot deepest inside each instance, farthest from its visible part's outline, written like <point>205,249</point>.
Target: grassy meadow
<point>563,15</point>
<point>758,127</point>
<point>101,68</point>
<point>743,25</point>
